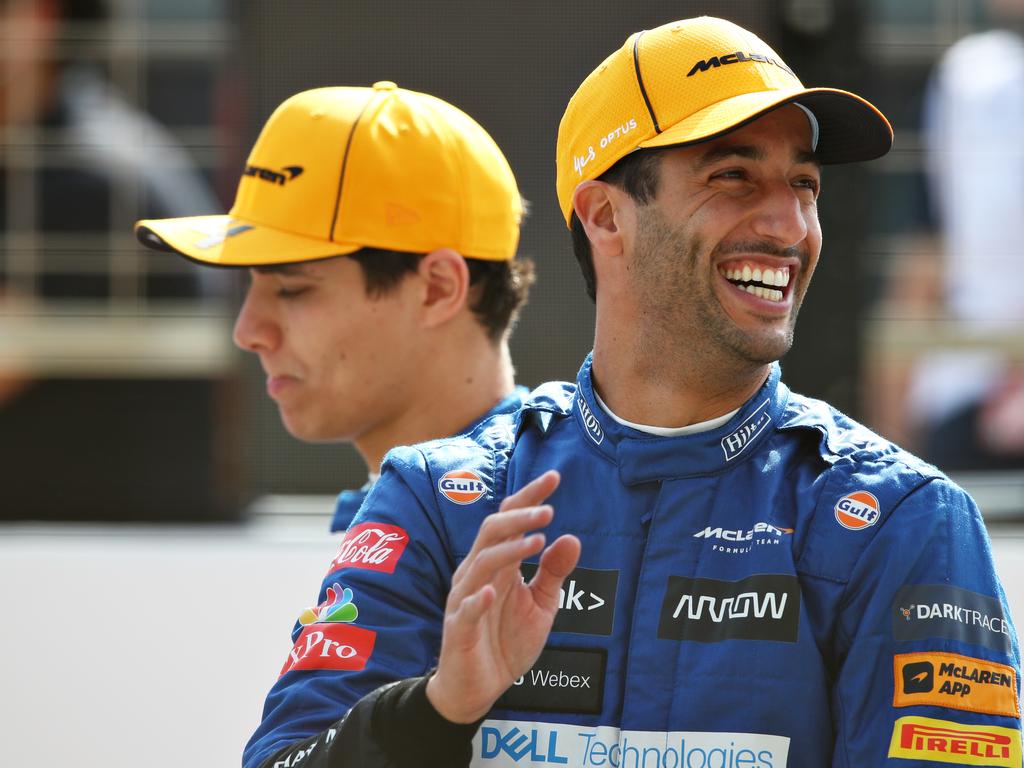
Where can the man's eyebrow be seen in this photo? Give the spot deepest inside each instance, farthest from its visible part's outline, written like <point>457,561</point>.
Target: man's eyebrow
<point>803,156</point>
<point>749,152</point>
<point>716,154</point>
<point>288,270</point>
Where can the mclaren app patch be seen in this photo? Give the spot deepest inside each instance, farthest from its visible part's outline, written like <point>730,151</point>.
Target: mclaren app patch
<point>955,681</point>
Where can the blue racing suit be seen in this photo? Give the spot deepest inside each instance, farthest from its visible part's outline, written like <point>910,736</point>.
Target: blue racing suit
<point>786,590</point>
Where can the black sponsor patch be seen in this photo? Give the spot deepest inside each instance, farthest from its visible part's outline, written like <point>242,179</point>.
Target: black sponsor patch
<point>765,607</point>
<point>919,677</point>
<point>937,610</point>
<point>587,602</point>
<point>562,680</point>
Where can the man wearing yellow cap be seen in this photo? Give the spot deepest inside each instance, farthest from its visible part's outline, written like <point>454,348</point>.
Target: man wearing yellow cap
<point>379,227</point>
<point>740,576</point>
<point>404,339</point>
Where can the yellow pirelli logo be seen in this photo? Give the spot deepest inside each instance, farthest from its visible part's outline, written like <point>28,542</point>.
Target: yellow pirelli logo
<point>955,681</point>
<point>921,738</point>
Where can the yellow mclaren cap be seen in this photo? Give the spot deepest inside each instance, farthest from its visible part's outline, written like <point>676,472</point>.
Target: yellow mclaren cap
<point>339,169</point>
<point>694,80</point>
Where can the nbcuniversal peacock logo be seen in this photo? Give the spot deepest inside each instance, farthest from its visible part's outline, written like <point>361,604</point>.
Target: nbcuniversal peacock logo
<point>328,639</point>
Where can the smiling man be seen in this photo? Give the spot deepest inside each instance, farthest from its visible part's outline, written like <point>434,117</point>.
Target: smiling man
<point>742,576</point>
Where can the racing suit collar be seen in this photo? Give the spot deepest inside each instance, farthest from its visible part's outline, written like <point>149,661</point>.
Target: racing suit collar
<point>349,501</point>
<point>644,458</point>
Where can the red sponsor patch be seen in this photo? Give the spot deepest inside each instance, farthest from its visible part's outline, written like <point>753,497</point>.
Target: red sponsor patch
<point>331,645</point>
<point>857,510</point>
<point>374,546</point>
<point>463,486</point>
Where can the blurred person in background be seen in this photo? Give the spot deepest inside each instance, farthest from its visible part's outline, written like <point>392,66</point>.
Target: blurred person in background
<point>963,409</point>
<point>76,156</point>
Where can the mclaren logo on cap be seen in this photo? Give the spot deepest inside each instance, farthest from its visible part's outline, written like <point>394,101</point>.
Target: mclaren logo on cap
<point>735,58</point>
<point>280,177</point>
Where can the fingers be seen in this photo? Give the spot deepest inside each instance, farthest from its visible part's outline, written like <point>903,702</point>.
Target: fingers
<point>533,493</point>
<point>487,565</point>
<point>471,610</point>
<point>556,564</point>
<point>506,525</point>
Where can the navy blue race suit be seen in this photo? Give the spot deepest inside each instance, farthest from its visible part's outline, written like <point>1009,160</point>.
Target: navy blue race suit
<point>786,590</point>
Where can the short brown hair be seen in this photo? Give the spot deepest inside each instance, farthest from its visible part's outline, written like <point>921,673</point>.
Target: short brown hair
<point>637,174</point>
<point>498,289</point>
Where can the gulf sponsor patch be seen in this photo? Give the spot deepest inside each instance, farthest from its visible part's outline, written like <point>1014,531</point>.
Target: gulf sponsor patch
<point>462,486</point>
<point>329,645</point>
<point>955,681</point>
<point>857,510</point>
<point>373,546</point>
<point>942,741</point>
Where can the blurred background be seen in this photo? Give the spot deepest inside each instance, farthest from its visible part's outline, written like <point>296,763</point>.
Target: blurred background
<point>159,529</point>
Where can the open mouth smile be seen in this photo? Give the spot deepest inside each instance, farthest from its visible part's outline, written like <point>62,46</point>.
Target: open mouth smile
<point>769,283</point>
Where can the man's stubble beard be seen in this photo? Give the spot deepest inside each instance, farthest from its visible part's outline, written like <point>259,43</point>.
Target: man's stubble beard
<point>686,327</point>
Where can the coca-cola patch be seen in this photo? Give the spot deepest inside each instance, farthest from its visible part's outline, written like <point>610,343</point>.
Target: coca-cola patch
<point>374,546</point>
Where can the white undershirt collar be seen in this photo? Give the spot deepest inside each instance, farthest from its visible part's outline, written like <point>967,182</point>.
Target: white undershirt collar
<point>690,429</point>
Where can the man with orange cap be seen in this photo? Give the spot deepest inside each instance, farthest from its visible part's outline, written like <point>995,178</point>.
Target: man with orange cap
<point>740,576</point>
<point>379,227</point>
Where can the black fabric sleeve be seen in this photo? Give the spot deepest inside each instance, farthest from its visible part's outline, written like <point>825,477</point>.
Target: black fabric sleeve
<point>394,726</point>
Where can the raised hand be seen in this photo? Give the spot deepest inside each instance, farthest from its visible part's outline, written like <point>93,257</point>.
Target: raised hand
<point>495,624</point>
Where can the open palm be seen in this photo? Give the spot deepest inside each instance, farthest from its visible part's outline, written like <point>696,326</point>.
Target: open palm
<point>495,624</point>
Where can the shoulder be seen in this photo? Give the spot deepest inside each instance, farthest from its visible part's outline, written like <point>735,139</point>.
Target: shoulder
<point>864,485</point>
<point>462,479</point>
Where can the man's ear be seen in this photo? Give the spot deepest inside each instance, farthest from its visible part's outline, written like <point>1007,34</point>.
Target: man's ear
<point>600,206</point>
<point>445,277</point>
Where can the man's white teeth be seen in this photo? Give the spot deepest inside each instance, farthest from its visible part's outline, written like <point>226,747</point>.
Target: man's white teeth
<point>767,278</point>
<point>764,293</point>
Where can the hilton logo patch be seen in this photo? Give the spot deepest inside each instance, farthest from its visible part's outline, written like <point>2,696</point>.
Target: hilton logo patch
<point>590,421</point>
<point>734,444</point>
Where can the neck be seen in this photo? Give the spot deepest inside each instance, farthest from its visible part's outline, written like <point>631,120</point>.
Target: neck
<point>442,404</point>
<point>650,389</point>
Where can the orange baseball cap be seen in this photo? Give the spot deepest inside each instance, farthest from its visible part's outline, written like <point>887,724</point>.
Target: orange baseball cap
<point>694,80</point>
<point>339,169</point>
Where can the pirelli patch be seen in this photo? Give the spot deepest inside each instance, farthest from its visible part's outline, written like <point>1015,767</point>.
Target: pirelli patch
<point>942,741</point>
<point>955,681</point>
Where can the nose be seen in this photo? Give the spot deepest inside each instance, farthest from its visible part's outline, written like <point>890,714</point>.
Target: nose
<point>255,328</point>
<point>782,216</point>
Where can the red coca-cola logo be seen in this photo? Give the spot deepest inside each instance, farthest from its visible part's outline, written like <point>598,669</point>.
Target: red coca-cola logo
<point>331,646</point>
<point>374,546</point>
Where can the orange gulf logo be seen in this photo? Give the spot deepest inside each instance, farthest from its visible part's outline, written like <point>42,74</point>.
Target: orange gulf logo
<point>462,486</point>
<point>954,681</point>
<point>857,510</point>
<point>942,741</point>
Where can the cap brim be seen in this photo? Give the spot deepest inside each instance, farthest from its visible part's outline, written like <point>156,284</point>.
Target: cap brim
<point>227,241</point>
<point>851,129</point>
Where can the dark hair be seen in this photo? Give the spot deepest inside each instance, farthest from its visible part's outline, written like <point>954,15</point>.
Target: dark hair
<point>637,175</point>
<point>498,289</point>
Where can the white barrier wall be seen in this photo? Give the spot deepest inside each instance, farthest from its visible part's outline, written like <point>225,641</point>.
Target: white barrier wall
<point>156,646</point>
